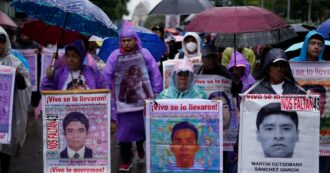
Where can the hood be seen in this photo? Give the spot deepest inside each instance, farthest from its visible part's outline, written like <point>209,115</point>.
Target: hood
<point>198,53</point>
<point>7,45</point>
<point>303,50</point>
<point>274,54</point>
<point>80,47</point>
<point>182,65</point>
<point>240,61</point>
<point>127,31</point>
<point>247,79</point>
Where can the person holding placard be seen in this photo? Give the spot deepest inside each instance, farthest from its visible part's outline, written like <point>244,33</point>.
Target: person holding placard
<point>22,93</point>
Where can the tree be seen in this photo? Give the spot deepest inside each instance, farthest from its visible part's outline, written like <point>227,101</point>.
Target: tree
<point>115,9</point>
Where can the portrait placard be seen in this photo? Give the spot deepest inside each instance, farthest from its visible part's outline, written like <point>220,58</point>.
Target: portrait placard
<point>184,135</point>
<point>76,131</point>
<point>279,133</point>
<point>132,85</point>
<point>7,85</point>
<point>315,76</point>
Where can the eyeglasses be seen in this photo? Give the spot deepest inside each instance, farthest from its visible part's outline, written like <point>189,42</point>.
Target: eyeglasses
<point>313,43</point>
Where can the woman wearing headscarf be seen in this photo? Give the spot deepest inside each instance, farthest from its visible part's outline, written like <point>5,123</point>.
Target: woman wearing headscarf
<point>22,94</point>
<point>182,83</point>
<point>130,125</point>
<point>74,74</point>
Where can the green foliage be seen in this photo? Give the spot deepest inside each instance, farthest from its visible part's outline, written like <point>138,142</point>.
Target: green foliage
<point>115,9</point>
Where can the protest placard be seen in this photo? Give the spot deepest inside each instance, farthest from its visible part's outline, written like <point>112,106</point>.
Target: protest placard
<point>132,85</point>
<point>7,84</point>
<point>76,131</point>
<point>32,57</point>
<point>279,133</point>
<point>218,87</point>
<point>184,135</point>
<point>315,76</point>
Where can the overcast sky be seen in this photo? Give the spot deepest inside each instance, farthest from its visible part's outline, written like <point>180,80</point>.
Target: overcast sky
<point>133,3</point>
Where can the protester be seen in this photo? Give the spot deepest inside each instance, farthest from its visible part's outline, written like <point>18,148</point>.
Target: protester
<point>24,42</point>
<point>276,76</point>
<point>131,124</point>
<point>22,93</point>
<point>240,68</point>
<point>73,75</point>
<point>246,52</point>
<point>312,49</point>
<point>210,63</point>
<point>182,83</point>
<point>191,47</point>
<point>92,59</point>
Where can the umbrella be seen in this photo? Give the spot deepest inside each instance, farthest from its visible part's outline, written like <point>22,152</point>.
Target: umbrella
<point>149,40</point>
<point>299,28</point>
<point>181,7</point>
<point>324,29</point>
<point>45,34</point>
<point>75,15</point>
<point>242,26</point>
<point>6,21</point>
<point>298,46</point>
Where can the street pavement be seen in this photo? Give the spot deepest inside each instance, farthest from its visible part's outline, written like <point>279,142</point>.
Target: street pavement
<point>29,158</point>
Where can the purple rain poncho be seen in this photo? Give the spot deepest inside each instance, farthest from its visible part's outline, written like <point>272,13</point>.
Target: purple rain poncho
<point>94,78</point>
<point>247,79</point>
<point>130,125</point>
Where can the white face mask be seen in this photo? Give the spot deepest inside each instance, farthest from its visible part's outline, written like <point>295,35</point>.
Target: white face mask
<point>191,46</point>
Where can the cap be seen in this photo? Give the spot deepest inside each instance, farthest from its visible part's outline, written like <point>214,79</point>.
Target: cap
<point>240,65</point>
<point>279,59</point>
<point>209,50</point>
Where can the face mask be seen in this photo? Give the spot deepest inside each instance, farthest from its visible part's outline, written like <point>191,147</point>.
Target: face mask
<point>191,46</point>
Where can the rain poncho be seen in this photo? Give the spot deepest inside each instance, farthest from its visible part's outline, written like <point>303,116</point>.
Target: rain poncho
<point>263,86</point>
<point>130,125</point>
<point>247,79</point>
<point>248,54</point>
<point>304,49</point>
<point>21,100</point>
<point>192,92</point>
<point>94,78</point>
<point>197,54</point>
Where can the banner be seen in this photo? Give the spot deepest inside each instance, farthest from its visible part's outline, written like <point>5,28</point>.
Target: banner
<point>315,76</point>
<point>132,84</point>
<point>76,131</point>
<point>168,67</point>
<point>279,133</point>
<point>218,88</point>
<point>32,57</point>
<point>184,135</point>
<point>7,85</point>
<point>172,21</point>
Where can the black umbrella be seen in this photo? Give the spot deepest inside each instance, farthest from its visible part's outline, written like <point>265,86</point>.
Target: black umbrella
<point>181,7</point>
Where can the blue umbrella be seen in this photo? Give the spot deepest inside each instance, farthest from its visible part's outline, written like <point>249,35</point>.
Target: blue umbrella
<point>324,29</point>
<point>76,15</point>
<point>149,41</point>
